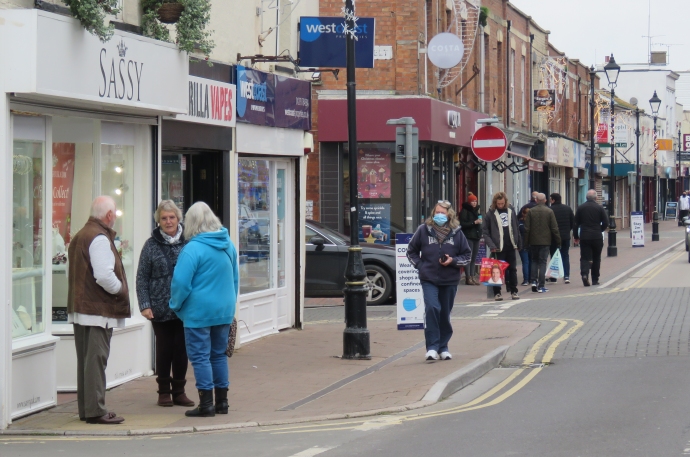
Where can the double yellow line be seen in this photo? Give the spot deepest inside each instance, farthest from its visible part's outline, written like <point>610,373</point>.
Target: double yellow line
<point>505,389</point>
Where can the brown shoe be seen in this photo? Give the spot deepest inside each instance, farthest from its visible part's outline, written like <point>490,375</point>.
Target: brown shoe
<point>165,400</point>
<point>475,282</point>
<point>183,400</point>
<point>106,419</point>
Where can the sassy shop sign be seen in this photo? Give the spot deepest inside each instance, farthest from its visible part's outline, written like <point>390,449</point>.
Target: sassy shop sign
<point>210,102</point>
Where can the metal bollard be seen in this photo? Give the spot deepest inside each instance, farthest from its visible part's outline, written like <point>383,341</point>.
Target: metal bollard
<point>655,226</point>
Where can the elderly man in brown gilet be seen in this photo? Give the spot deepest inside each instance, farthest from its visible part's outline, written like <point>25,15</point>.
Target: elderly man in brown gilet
<point>98,301</point>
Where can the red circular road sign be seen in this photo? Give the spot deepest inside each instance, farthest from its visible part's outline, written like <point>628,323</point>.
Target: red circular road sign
<point>489,143</point>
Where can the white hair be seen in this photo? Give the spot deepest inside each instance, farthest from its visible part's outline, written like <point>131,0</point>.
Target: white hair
<point>101,206</point>
<point>200,219</point>
<point>168,206</point>
<point>591,195</point>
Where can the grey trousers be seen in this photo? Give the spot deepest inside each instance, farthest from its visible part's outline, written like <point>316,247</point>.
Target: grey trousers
<point>93,349</point>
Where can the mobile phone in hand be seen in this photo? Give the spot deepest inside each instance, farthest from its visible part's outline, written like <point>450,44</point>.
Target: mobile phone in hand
<point>443,257</point>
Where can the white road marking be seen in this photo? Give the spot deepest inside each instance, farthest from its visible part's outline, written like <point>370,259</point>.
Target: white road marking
<point>312,451</point>
<point>379,423</point>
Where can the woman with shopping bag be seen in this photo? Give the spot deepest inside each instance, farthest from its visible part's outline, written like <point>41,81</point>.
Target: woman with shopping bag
<point>502,237</point>
<point>437,250</point>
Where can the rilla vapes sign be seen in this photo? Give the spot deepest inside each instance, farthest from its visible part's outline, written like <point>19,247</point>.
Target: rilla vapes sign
<point>210,102</point>
<point>322,42</point>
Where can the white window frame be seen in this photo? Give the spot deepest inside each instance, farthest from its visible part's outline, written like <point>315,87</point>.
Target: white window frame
<point>522,88</point>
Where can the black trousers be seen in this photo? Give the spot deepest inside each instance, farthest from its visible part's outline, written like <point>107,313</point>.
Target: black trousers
<point>590,257</point>
<point>171,351</point>
<point>509,255</point>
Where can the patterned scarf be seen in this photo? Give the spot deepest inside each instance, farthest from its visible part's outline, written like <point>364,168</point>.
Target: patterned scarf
<point>442,231</point>
<point>173,239</point>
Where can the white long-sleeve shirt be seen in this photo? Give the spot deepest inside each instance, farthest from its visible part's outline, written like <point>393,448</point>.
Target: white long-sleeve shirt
<point>103,264</point>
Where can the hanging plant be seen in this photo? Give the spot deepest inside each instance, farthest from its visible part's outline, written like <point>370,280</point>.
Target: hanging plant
<point>92,15</point>
<point>483,15</point>
<point>191,27</point>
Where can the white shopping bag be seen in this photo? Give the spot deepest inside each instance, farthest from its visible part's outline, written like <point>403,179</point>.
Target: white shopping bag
<point>555,269</point>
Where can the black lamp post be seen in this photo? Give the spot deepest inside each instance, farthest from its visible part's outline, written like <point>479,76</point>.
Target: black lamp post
<point>612,70</point>
<point>592,73</point>
<point>655,102</point>
<point>356,333</point>
<point>679,179</point>
<point>638,178</point>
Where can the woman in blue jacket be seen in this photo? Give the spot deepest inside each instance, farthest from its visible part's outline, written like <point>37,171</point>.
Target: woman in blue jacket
<point>203,294</point>
<point>437,250</point>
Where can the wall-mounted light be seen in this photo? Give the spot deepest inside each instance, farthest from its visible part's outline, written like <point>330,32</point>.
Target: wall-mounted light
<point>118,191</point>
<point>118,213</point>
<point>118,169</point>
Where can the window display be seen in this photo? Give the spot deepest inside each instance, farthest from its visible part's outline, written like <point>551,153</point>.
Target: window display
<point>255,211</point>
<point>28,218</point>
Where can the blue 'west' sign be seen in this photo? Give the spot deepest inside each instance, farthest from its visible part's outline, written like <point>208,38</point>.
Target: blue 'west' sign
<point>322,42</point>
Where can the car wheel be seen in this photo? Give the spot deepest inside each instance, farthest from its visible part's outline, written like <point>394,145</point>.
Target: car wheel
<point>379,283</point>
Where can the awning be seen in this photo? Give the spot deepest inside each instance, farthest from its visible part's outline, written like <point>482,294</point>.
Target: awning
<point>532,164</point>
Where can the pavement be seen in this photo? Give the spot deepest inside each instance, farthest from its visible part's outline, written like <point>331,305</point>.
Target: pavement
<point>298,375</point>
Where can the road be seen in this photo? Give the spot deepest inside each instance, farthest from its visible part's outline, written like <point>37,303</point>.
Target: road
<point>606,374</point>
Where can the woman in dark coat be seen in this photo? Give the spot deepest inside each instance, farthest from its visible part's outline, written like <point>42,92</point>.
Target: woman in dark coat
<point>154,276</point>
<point>437,250</point>
<point>471,224</point>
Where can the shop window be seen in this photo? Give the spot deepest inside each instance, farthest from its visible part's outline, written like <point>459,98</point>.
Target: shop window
<point>254,210</point>
<point>28,221</point>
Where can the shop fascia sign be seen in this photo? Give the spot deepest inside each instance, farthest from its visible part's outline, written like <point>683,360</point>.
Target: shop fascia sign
<point>453,119</point>
<point>210,102</point>
<point>52,55</point>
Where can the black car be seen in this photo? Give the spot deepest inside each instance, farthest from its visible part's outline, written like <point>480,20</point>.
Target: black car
<point>327,259</point>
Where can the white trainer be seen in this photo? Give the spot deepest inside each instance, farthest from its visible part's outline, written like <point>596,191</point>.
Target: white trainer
<point>431,355</point>
<point>445,355</point>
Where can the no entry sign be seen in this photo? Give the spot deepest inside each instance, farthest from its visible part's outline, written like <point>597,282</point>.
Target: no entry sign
<point>489,143</point>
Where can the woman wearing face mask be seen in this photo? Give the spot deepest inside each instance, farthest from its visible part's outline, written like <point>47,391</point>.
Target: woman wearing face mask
<point>437,250</point>
<point>502,236</point>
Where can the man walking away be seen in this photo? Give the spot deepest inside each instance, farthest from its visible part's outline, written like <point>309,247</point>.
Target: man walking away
<point>565,218</point>
<point>97,301</point>
<point>590,223</point>
<point>684,206</point>
<point>530,204</point>
<point>541,230</point>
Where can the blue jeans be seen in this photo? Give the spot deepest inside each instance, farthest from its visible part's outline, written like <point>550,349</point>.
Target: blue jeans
<point>206,350</point>
<point>524,257</point>
<point>438,303</point>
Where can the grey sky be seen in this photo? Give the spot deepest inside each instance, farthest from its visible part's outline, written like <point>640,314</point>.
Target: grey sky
<point>590,29</point>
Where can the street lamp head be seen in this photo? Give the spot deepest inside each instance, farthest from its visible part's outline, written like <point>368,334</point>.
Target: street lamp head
<point>633,101</point>
<point>655,102</point>
<point>612,69</point>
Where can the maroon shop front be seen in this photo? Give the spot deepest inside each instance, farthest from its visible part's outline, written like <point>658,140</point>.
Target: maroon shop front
<point>445,132</point>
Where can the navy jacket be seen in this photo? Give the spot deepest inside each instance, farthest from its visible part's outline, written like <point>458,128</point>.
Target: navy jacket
<point>424,252</point>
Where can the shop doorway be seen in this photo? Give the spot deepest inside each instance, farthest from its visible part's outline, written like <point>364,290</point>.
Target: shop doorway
<point>188,177</point>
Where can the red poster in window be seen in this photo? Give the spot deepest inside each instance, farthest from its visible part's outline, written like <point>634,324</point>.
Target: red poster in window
<point>374,173</point>
<point>63,181</point>
<point>603,133</point>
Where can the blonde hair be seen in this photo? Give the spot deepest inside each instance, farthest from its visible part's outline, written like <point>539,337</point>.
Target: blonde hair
<point>499,196</point>
<point>200,219</point>
<point>452,217</point>
<point>168,206</point>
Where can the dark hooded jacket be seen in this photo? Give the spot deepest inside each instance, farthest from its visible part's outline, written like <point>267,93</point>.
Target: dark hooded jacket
<point>468,215</point>
<point>424,252</point>
<point>154,275</point>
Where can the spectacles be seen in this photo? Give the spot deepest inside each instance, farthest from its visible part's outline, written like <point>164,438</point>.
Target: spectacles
<point>444,203</point>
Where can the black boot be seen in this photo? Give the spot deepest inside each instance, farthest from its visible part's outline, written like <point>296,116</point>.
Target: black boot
<point>205,408</point>
<point>221,400</point>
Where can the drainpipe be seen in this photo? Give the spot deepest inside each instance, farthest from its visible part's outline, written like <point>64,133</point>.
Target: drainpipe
<point>507,121</point>
<point>482,107</point>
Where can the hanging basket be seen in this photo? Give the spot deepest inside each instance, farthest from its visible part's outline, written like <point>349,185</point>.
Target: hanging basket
<point>169,13</point>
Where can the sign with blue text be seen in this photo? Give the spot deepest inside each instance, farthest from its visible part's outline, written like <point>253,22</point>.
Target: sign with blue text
<point>410,299</point>
<point>322,42</point>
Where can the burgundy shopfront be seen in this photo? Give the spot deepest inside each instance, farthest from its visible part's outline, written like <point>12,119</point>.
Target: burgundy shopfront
<point>445,131</point>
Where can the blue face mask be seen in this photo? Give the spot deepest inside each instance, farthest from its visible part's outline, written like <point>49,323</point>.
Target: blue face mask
<point>440,219</point>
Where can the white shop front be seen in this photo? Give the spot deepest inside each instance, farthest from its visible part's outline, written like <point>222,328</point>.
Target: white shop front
<point>78,118</point>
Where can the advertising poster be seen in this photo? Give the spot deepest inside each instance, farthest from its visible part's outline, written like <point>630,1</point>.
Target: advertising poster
<point>375,223</point>
<point>408,289</point>
<point>637,229</point>
<point>481,252</point>
<point>255,97</point>
<point>374,173</point>
<point>63,180</point>
<point>544,100</point>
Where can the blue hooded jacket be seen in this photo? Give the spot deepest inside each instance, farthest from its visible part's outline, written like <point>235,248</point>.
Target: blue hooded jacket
<point>206,281</point>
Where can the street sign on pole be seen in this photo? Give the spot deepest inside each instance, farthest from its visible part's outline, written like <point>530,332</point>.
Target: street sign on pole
<point>489,143</point>
<point>400,145</point>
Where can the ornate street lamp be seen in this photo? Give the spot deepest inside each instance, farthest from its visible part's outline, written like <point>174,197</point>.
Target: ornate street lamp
<point>654,103</point>
<point>356,333</point>
<point>612,70</point>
